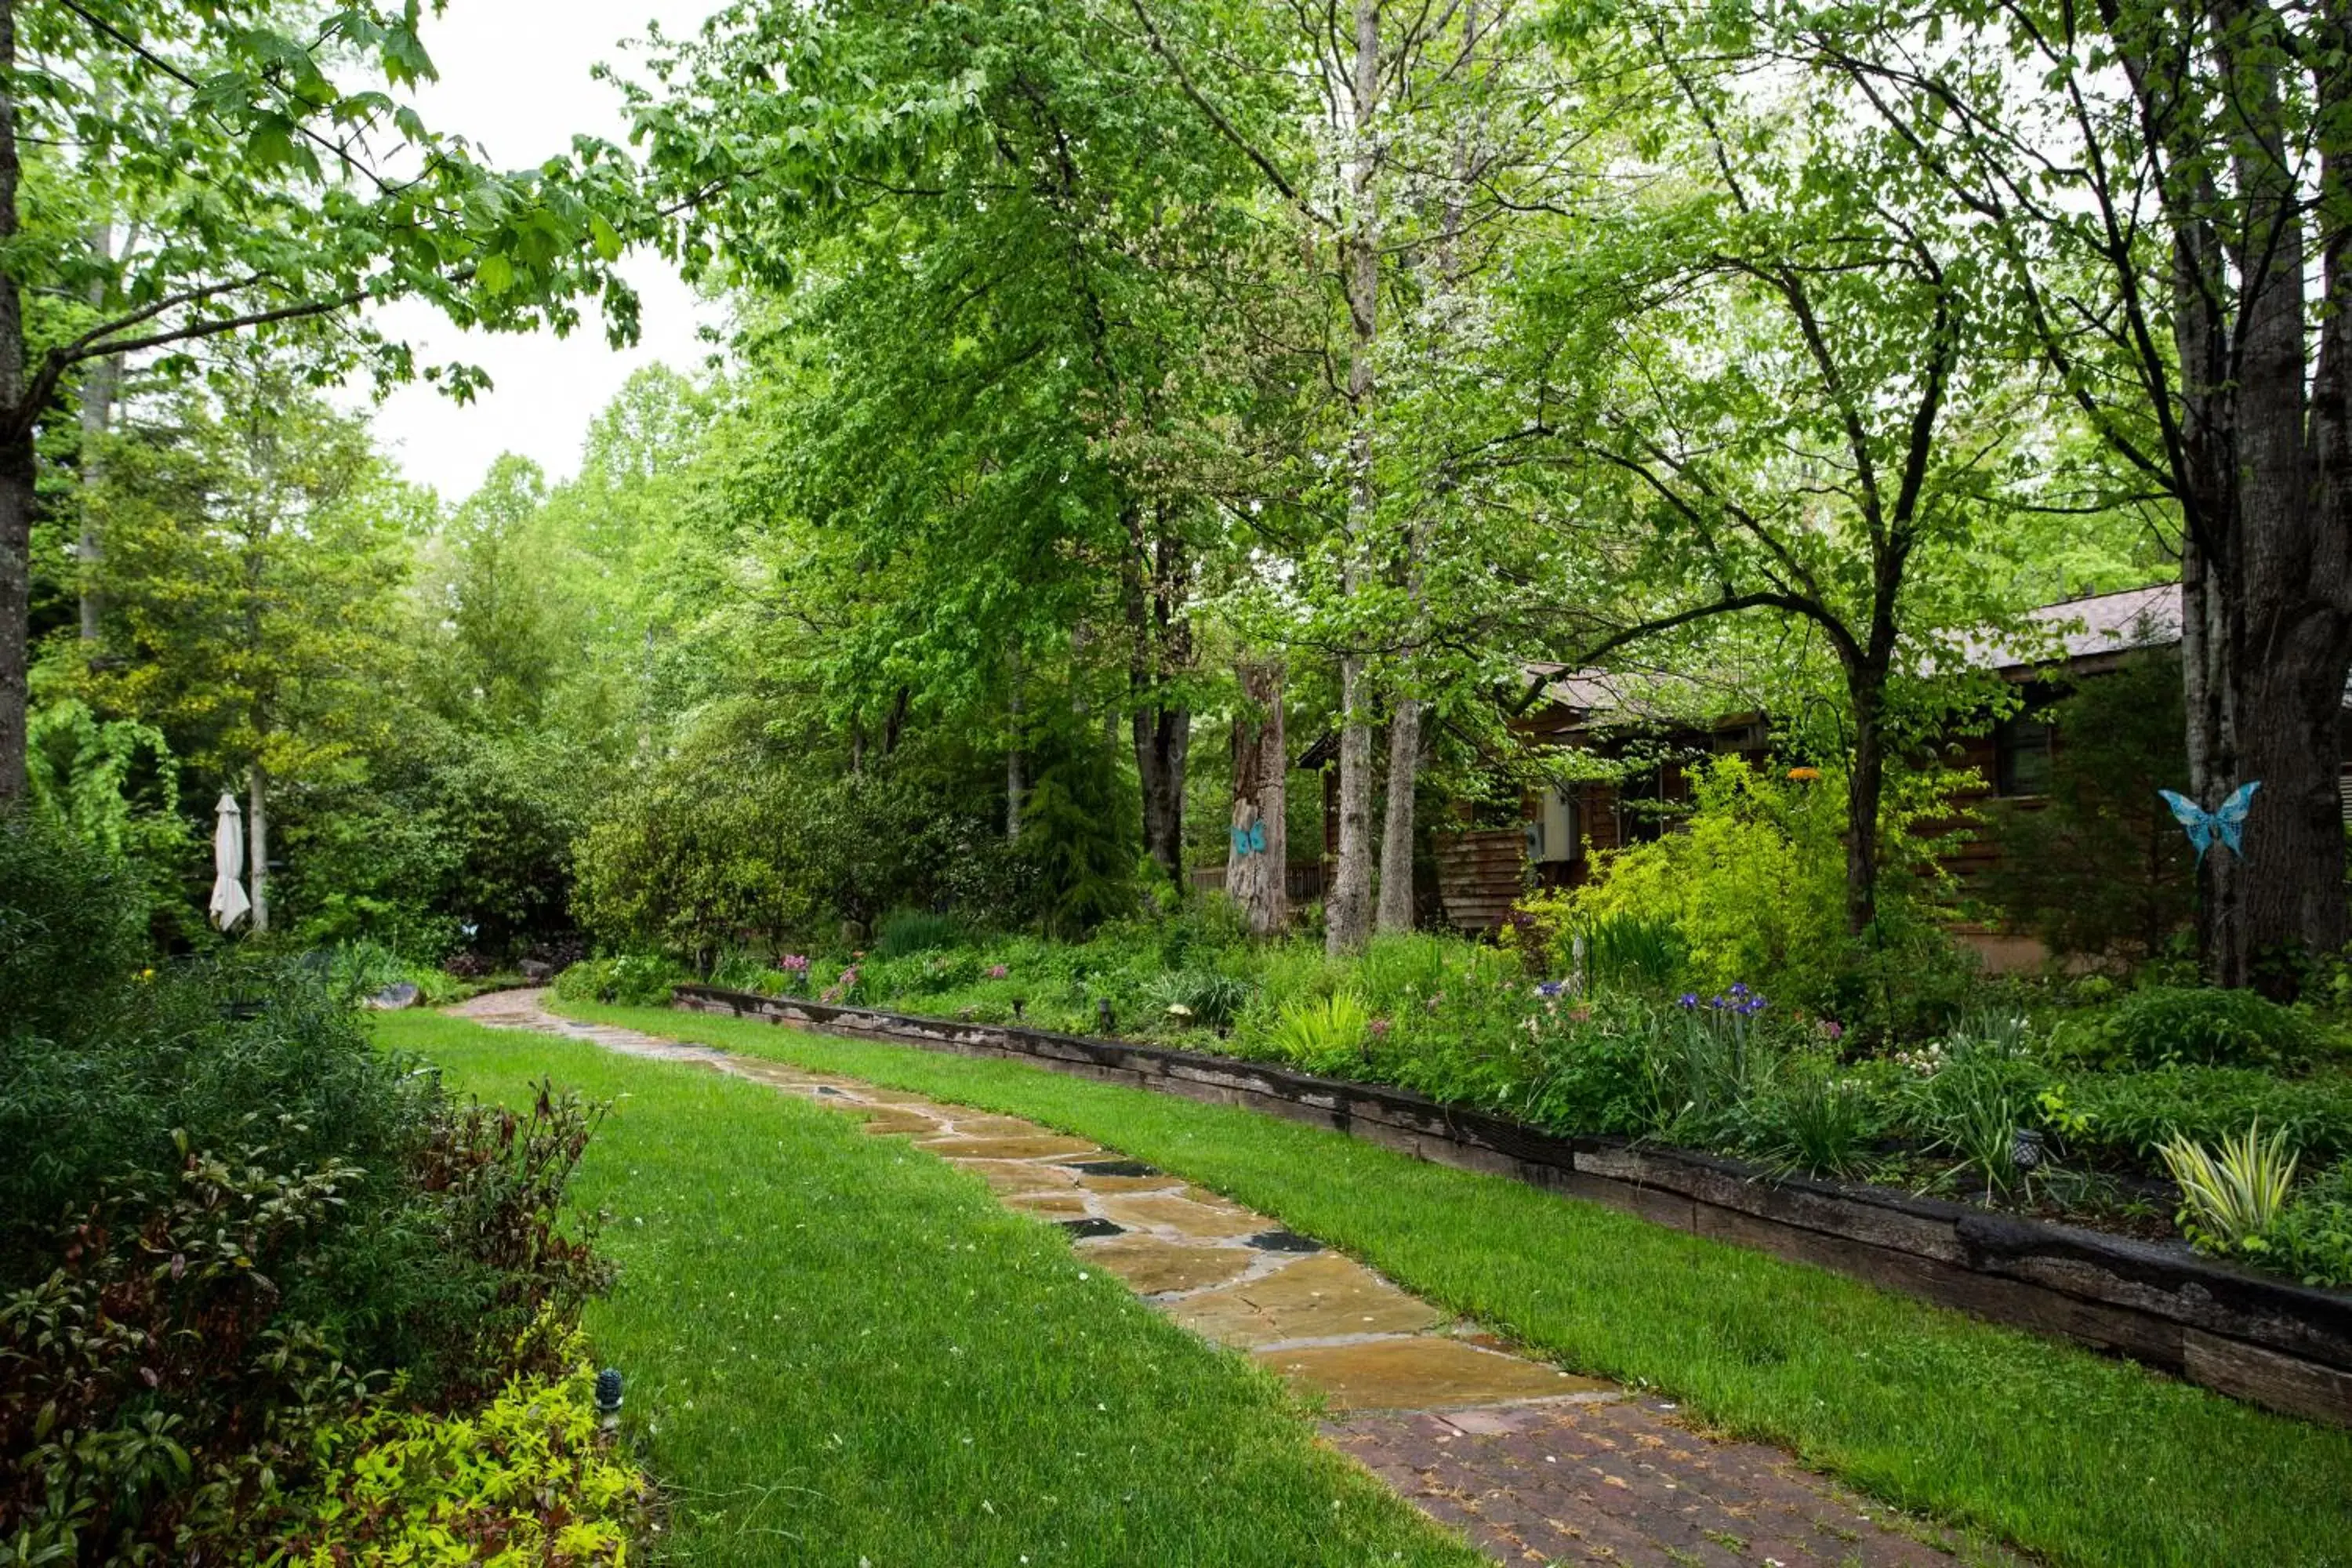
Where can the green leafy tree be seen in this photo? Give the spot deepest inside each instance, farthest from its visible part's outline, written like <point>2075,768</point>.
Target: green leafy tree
<point>2166,192</point>
<point>257,546</point>
<point>266,188</point>
<point>1794,392</point>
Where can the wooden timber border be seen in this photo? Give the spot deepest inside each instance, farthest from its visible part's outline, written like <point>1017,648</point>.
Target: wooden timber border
<point>2253,1337</point>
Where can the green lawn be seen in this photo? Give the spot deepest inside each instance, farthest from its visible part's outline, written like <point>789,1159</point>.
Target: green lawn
<point>841,1352</point>
<point>2079,1458</point>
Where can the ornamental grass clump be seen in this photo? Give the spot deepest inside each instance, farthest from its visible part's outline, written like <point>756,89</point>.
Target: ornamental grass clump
<point>2229,1198</point>
<point>1326,1036</point>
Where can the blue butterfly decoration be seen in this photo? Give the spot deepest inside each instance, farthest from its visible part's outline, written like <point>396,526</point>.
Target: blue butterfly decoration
<point>1250,840</point>
<point>2228,822</point>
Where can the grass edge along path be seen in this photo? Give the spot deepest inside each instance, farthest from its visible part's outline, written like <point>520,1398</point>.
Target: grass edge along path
<point>842,1351</point>
<point>2082,1459</point>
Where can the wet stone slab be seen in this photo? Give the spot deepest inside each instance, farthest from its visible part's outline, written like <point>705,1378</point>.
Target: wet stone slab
<point>1034,1147</point>
<point>1012,1178</point>
<point>1319,1298</point>
<point>1169,1211</point>
<point>1154,1267</point>
<point>1422,1374</point>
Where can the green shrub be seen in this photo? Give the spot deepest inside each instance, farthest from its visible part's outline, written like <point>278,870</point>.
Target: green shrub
<point>2165,1026</point>
<point>1594,1075</point>
<point>171,1359</point>
<point>631,980</point>
<point>528,1478</point>
<point>1752,888</point>
<point>2130,1114</point>
<point>73,931</point>
<point>2311,1240</point>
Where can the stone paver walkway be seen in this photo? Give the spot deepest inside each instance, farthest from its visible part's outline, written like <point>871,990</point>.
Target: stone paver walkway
<point>1537,1466</point>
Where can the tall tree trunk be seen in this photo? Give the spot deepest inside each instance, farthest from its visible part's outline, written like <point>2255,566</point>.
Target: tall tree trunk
<point>2265,481</point>
<point>1866,787</point>
<point>18,462</point>
<point>1159,643</point>
<point>101,381</point>
<point>1347,910</point>
<point>1016,784</point>
<point>1163,740</point>
<point>1396,912</point>
<point>1257,878</point>
<point>257,844</point>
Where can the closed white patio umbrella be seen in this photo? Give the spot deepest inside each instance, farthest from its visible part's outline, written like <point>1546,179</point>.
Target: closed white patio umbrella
<point>229,903</point>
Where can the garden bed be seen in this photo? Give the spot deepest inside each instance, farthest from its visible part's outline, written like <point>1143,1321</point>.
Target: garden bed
<point>2256,1337</point>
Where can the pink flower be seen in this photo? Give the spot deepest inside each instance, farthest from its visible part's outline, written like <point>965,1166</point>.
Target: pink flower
<point>998,971</point>
<point>1832,1029</point>
<point>1380,1027</point>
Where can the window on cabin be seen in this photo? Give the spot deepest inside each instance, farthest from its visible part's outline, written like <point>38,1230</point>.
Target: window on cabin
<point>2022,754</point>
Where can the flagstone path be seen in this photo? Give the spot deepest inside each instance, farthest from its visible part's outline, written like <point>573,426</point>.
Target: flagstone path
<point>1537,1466</point>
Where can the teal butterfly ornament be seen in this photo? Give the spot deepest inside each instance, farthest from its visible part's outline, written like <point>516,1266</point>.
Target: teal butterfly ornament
<point>1250,840</point>
<point>2226,822</point>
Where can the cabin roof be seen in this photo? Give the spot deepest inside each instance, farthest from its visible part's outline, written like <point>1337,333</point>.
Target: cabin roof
<point>2086,628</point>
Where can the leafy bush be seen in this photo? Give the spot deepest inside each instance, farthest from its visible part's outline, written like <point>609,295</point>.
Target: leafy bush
<point>2311,1240</point>
<point>72,929</point>
<point>2165,1026</point>
<point>150,1380</point>
<point>218,1057</point>
<point>193,1330</point>
<point>528,1478</point>
<point>457,839</point>
<point>2130,1114</point>
<point>631,980</point>
<point>745,838</point>
<point>1594,1074</point>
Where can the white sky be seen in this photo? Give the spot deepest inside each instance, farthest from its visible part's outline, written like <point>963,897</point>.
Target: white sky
<point>514,80</point>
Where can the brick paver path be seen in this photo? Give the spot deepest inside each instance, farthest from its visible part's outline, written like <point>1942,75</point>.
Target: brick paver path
<point>1537,1466</point>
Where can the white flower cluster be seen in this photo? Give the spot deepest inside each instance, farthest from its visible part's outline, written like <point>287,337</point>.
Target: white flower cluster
<point>1927,1061</point>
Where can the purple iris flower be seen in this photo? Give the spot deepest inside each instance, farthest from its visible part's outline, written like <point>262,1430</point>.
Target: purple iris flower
<point>1687,1000</point>
<point>1551,987</point>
